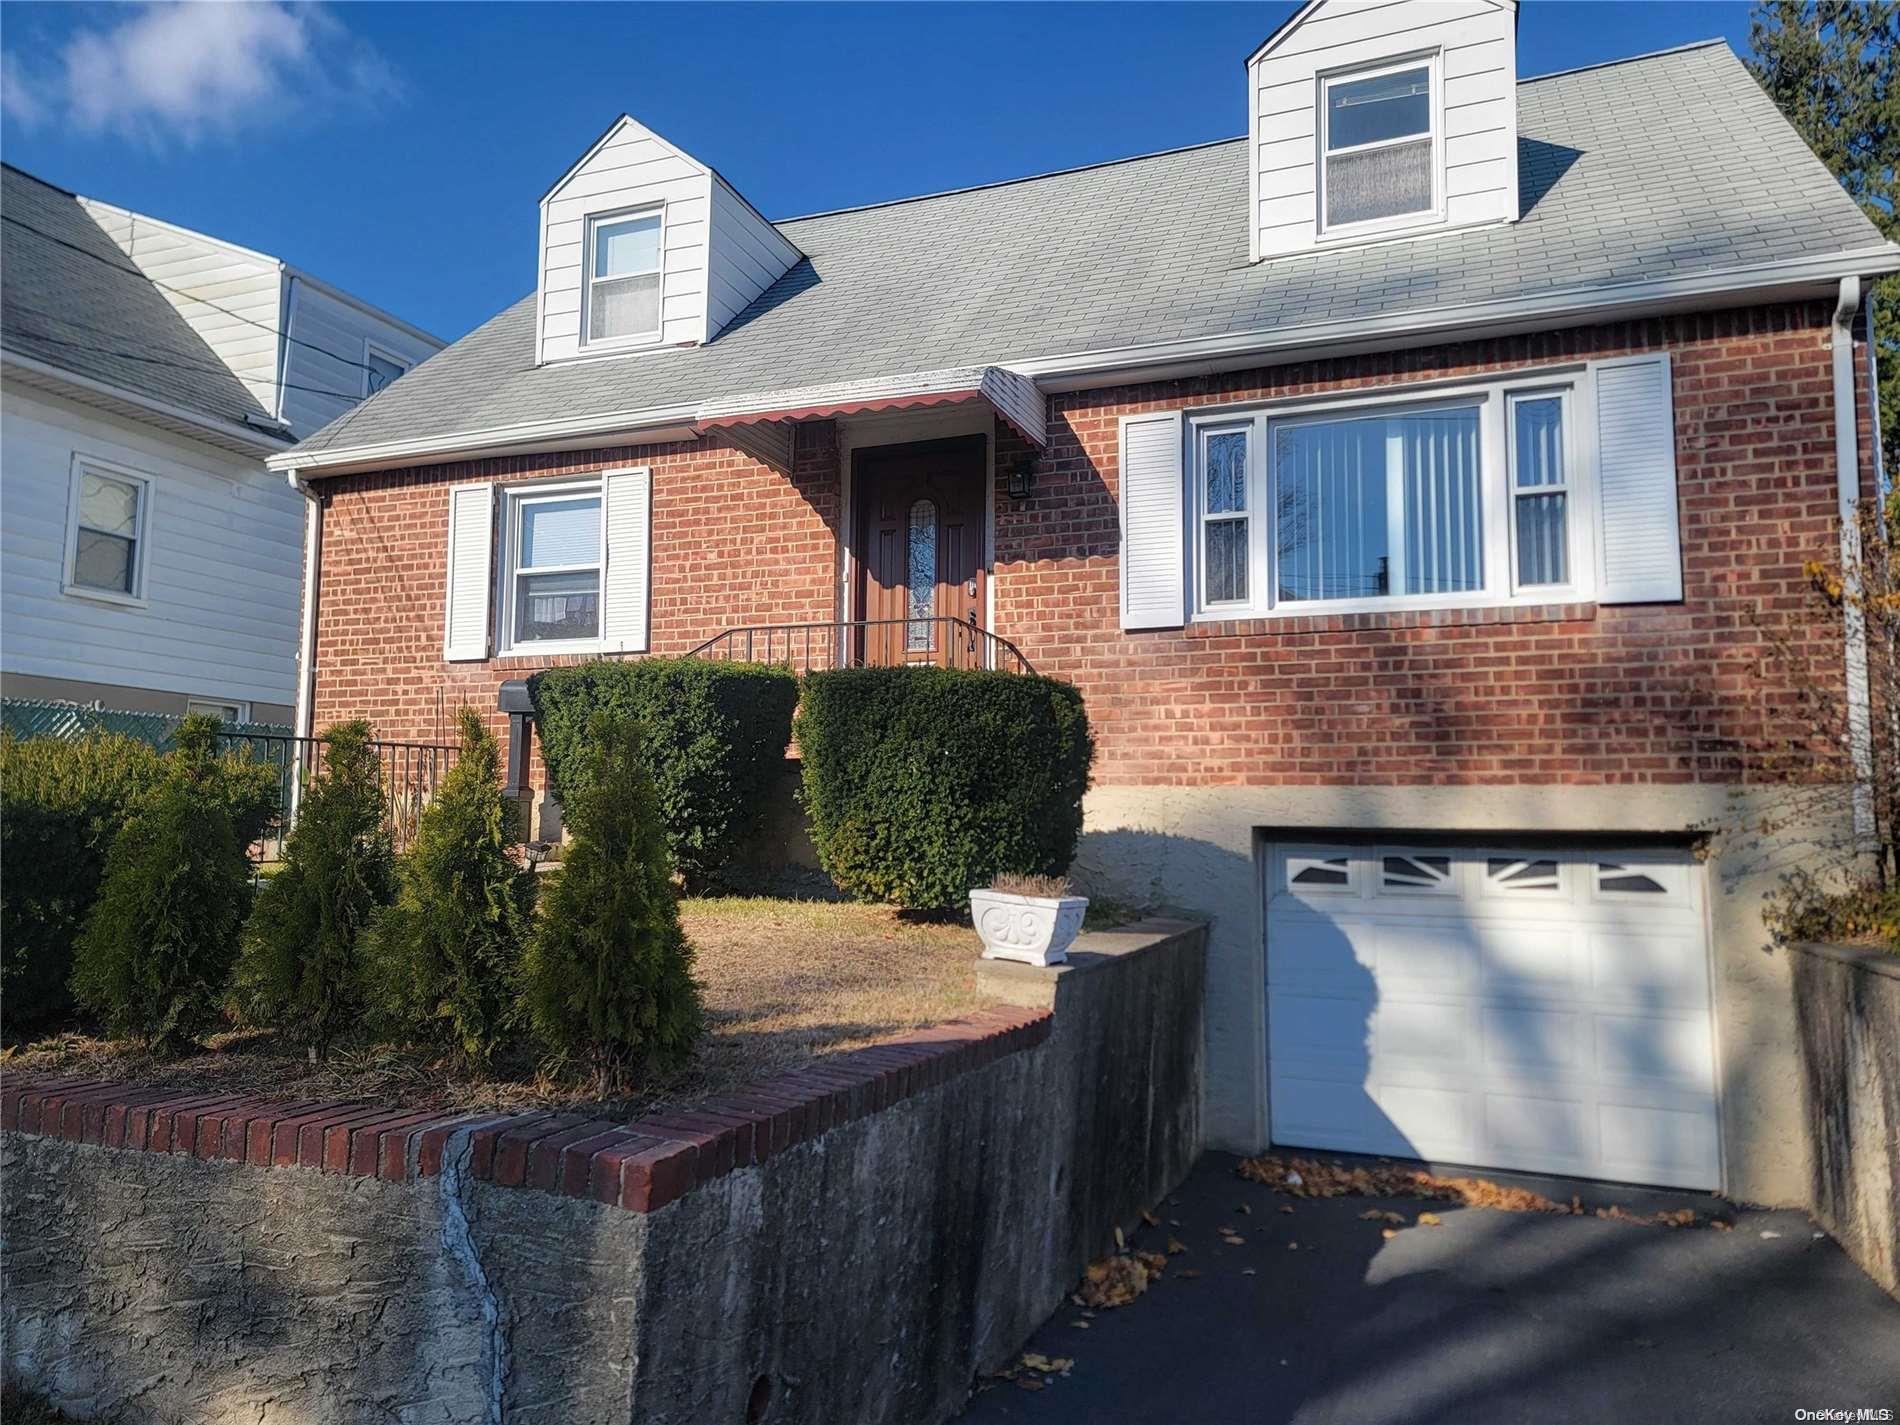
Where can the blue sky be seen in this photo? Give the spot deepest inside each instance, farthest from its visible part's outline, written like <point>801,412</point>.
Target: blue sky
<point>399,150</point>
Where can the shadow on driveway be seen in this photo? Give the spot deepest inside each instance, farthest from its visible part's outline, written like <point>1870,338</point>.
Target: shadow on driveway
<point>1493,1316</point>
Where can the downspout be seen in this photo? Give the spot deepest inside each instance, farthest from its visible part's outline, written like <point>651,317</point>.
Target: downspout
<point>307,635</point>
<point>1847,462</point>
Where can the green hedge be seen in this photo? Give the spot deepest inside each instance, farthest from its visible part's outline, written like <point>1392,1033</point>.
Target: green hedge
<point>716,733</point>
<point>62,801</point>
<point>922,783</point>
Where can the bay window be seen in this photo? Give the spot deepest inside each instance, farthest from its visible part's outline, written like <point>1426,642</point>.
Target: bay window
<point>1461,499</point>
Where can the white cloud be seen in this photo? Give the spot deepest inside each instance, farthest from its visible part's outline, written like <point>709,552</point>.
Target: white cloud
<point>197,69</point>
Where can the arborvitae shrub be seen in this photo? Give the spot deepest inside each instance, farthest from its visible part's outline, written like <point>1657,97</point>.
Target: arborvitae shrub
<point>445,958</point>
<point>62,801</point>
<point>924,782</point>
<point>302,968</point>
<point>61,804</point>
<point>608,977</point>
<point>155,956</point>
<point>716,737</point>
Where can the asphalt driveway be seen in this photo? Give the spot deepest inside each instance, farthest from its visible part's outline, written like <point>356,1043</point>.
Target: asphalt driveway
<point>1491,1317</point>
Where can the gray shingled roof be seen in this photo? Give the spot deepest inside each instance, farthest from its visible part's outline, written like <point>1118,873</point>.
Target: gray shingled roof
<point>1657,167</point>
<point>73,300</point>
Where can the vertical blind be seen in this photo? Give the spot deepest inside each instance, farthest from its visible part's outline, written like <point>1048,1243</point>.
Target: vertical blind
<point>1379,505</point>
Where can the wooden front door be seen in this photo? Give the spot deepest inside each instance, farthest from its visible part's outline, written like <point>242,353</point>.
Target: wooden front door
<point>919,516</point>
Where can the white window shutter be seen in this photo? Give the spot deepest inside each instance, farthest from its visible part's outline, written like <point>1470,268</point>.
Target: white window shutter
<point>626,583</point>
<point>470,572</point>
<point>1154,557</point>
<point>1639,541</point>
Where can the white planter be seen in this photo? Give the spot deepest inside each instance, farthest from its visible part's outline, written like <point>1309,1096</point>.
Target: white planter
<point>1037,930</point>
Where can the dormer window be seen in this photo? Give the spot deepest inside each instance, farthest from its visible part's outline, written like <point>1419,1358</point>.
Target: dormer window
<point>1379,141</point>
<point>623,277</point>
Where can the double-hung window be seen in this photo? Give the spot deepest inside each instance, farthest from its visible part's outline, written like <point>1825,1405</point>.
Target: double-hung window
<point>1226,514</point>
<point>624,277</point>
<point>1460,499</point>
<point>1540,488</point>
<point>1379,145</point>
<point>552,594</point>
<point>105,540</point>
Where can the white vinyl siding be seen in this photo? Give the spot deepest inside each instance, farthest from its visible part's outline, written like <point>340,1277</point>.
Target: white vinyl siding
<point>469,562</point>
<point>327,361</point>
<point>747,255</point>
<point>1640,538</point>
<point>1153,588</point>
<point>229,296</point>
<point>1471,44</point>
<point>221,572</point>
<point>632,168</point>
<point>717,256</point>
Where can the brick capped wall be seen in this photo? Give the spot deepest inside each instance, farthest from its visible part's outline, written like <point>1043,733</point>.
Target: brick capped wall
<point>1565,693</point>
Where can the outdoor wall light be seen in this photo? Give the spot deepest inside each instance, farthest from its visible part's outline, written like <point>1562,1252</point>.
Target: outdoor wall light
<point>1022,477</point>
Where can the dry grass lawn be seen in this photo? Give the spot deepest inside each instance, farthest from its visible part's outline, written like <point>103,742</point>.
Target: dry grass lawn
<point>784,981</point>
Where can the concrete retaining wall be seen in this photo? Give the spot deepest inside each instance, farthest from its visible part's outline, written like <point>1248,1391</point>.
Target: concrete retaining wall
<point>850,1243</point>
<point>1847,1003</point>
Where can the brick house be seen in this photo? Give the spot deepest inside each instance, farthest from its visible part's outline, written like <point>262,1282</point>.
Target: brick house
<point>1407,485</point>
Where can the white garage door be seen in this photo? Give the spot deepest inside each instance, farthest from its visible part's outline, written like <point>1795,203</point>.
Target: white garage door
<point>1513,1007</point>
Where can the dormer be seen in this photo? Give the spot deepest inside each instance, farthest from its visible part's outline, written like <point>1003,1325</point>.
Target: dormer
<point>645,247</point>
<point>1379,121</point>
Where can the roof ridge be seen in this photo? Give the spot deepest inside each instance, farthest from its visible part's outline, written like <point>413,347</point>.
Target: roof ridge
<point>1010,182</point>
<point>1627,59</point>
<point>1714,42</point>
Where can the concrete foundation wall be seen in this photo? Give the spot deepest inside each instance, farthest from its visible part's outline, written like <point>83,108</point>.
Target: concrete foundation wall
<point>862,1274</point>
<point>1848,1006</point>
<point>1195,850</point>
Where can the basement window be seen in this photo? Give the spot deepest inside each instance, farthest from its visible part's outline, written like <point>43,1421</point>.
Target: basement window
<point>1379,156</point>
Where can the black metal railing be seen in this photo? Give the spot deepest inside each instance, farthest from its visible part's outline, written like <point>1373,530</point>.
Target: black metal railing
<point>857,643</point>
<point>411,772</point>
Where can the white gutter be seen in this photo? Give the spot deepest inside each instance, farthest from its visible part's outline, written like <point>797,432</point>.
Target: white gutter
<point>252,438</point>
<point>1854,619</point>
<point>1807,275</point>
<point>652,425</point>
<point>1804,277</point>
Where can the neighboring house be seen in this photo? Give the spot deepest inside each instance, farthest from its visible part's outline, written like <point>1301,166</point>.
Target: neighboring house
<point>150,561</point>
<point>1404,485</point>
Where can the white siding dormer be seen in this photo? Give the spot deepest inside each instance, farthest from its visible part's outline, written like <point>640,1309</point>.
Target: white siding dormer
<point>1408,109</point>
<point>640,227</point>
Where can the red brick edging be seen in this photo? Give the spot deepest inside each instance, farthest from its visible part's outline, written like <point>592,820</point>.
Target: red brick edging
<point>640,1166</point>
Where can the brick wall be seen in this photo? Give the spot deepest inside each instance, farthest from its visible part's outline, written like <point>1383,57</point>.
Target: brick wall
<point>1567,693</point>
<point>734,542</point>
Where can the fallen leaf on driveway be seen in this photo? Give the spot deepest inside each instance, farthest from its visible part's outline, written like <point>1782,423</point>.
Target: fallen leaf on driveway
<point>1388,1233</point>
<point>1429,1219</point>
<point>1314,1177</point>
<point>1176,1246</point>
<point>1118,1280</point>
<point>1375,1214</point>
<point>1048,1365</point>
<point>1769,1236</point>
<point>1149,1218</point>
